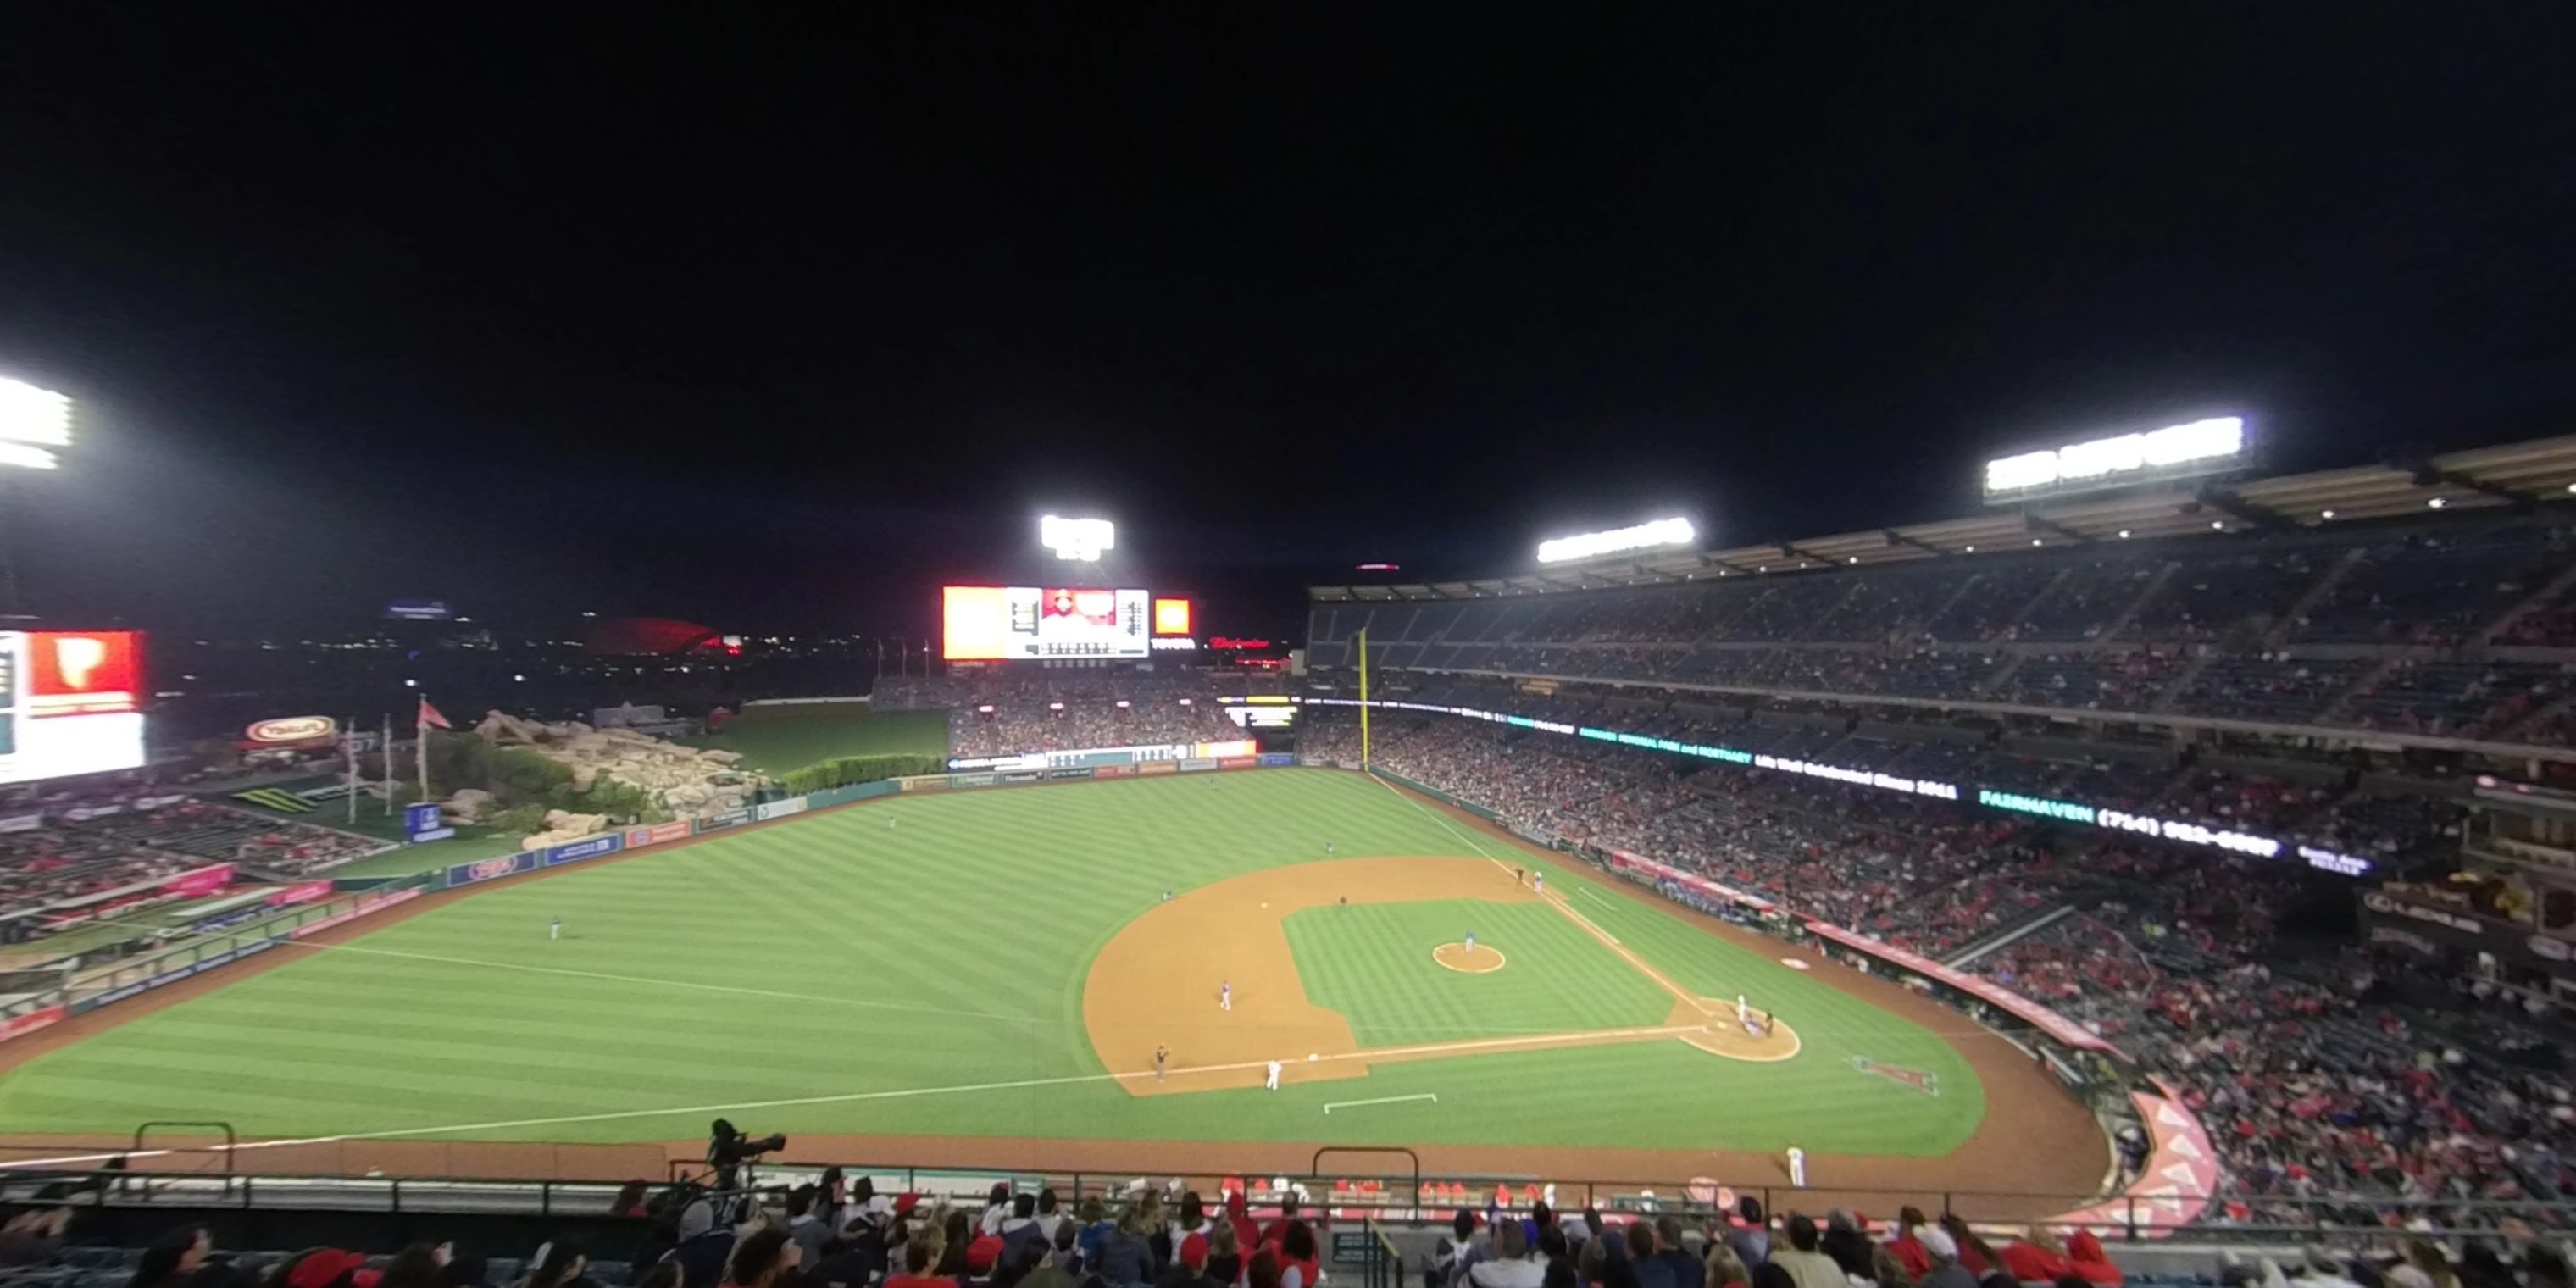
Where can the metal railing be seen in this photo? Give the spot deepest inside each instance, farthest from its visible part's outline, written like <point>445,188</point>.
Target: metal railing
<point>1377,1204</point>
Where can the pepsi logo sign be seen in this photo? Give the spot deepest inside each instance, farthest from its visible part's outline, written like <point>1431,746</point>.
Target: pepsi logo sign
<point>293,729</point>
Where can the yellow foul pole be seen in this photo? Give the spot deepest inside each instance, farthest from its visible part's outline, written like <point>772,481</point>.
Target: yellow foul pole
<point>1364,710</point>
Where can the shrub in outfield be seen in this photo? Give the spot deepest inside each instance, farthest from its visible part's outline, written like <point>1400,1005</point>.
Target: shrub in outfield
<point>849,771</point>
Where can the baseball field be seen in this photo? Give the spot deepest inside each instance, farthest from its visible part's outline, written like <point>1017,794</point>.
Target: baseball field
<point>987,977</point>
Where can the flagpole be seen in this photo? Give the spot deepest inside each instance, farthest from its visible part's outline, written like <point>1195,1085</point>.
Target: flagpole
<point>389,765</point>
<point>423,754</point>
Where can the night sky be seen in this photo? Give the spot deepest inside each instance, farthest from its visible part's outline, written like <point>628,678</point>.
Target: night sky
<point>776,322</point>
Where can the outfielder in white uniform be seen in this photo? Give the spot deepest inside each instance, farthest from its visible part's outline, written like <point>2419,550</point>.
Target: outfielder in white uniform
<point>1797,1167</point>
<point>1274,1075</point>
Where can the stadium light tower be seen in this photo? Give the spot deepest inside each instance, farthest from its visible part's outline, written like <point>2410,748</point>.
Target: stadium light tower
<point>1079,540</point>
<point>33,422</point>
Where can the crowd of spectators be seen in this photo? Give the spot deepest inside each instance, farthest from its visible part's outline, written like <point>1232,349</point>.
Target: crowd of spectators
<point>832,1233</point>
<point>2310,1088</point>
<point>1002,711</point>
<point>2413,631</point>
<point>75,845</point>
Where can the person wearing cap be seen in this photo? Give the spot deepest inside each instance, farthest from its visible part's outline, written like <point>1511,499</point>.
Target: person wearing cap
<point>983,1253</point>
<point>1238,1213</point>
<point>1942,1253</point>
<point>1189,1265</point>
<point>326,1267</point>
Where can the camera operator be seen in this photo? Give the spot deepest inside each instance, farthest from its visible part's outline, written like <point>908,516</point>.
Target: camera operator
<point>729,1150</point>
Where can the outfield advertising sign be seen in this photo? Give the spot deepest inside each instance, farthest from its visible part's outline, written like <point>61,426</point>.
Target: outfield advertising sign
<point>1196,765</point>
<point>492,869</point>
<point>780,809</point>
<point>19,1026</point>
<point>307,892</point>
<point>1114,771</point>
<point>586,848</point>
<point>363,907</point>
<point>1277,760</point>
<point>1153,767</point>
<point>1054,774</point>
<point>200,883</point>
<point>972,780</point>
<point>725,818</point>
<point>637,837</point>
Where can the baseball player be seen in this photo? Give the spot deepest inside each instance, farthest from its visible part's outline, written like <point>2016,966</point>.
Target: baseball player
<point>554,928</point>
<point>1162,1056</point>
<point>1225,995</point>
<point>1797,1167</point>
<point>1274,1075</point>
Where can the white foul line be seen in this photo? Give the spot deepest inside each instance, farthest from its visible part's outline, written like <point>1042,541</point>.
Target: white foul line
<point>664,983</point>
<point>1381,1053</point>
<point>1432,1096</point>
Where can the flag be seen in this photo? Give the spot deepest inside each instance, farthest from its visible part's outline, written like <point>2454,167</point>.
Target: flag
<point>429,717</point>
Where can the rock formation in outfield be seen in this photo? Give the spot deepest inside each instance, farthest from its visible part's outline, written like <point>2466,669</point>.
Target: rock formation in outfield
<point>684,780</point>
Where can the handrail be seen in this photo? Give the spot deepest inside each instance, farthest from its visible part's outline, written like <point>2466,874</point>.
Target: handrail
<point>2268,1216</point>
<point>232,1141</point>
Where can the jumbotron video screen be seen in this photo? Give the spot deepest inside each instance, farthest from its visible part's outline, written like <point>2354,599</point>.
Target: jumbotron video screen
<point>999,623</point>
<point>71,702</point>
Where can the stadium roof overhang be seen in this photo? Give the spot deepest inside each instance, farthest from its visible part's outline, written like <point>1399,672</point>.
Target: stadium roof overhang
<point>2514,476</point>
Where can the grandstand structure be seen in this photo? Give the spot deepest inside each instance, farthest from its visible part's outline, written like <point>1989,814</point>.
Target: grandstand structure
<point>2429,607</point>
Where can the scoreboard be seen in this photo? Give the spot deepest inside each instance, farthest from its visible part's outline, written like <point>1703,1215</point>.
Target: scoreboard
<point>1001,623</point>
<point>71,702</point>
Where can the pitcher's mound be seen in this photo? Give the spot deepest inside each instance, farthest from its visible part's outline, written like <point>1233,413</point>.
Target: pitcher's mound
<point>1480,960</point>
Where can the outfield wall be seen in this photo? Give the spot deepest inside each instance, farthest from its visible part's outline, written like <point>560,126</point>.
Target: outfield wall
<point>106,986</point>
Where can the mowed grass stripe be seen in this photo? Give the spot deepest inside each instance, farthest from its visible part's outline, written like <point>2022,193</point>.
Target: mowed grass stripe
<point>986,901</point>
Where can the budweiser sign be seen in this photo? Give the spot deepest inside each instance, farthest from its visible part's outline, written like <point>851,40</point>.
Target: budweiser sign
<point>293,729</point>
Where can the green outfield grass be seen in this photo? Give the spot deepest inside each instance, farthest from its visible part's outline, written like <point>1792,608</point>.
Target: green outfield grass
<point>775,740</point>
<point>917,966</point>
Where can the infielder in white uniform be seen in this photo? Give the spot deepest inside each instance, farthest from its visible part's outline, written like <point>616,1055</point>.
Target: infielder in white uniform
<point>1274,1075</point>
<point>1797,1167</point>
